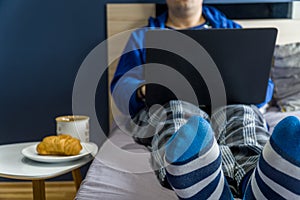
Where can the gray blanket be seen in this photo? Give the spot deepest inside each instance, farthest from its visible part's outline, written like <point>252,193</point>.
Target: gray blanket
<point>282,51</point>
<point>286,76</point>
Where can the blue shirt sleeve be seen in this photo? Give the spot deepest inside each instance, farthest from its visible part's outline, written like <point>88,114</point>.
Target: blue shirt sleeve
<point>269,94</point>
<point>129,75</point>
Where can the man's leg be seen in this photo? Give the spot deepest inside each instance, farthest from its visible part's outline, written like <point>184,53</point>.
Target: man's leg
<point>162,123</point>
<point>277,175</point>
<point>168,126</point>
<point>241,132</point>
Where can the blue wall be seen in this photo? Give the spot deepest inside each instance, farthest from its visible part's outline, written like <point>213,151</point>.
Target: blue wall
<point>42,44</point>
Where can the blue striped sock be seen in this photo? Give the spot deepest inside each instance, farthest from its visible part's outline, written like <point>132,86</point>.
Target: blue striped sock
<point>195,171</point>
<point>277,175</point>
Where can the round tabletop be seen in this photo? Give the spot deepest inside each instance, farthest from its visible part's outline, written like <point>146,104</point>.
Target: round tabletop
<point>14,165</point>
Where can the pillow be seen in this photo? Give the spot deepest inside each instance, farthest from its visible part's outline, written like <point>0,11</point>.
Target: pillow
<point>285,74</point>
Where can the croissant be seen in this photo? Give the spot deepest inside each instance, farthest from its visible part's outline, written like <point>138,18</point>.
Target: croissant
<point>59,145</point>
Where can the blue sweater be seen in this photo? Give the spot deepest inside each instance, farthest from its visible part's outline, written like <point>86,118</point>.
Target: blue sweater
<point>123,88</point>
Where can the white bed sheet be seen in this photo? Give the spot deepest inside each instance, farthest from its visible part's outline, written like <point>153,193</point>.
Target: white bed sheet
<point>114,176</point>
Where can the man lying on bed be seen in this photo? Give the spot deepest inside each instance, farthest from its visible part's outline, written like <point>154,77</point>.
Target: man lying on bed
<point>225,159</point>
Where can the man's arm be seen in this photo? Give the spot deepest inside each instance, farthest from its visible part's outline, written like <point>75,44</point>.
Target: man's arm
<point>129,75</point>
<point>269,94</point>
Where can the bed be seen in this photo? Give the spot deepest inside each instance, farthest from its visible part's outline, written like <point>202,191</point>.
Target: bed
<point>122,170</point>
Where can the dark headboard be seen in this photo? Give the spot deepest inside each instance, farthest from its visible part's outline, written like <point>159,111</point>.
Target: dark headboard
<point>248,10</point>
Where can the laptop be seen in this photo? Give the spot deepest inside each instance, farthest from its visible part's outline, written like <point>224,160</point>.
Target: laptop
<point>242,57</point>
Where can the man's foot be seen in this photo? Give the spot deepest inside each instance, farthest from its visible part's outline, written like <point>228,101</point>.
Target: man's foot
<point>277,175</point>
<point>195,170</point>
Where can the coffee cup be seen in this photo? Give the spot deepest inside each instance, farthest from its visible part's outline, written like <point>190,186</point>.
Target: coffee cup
<point>76,126</point>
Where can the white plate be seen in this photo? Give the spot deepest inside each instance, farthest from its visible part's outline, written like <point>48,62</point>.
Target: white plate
<point>31,153</point>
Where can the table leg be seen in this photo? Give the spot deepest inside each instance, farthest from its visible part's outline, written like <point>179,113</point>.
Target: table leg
<point>77,178</point>
<point>38,187</point>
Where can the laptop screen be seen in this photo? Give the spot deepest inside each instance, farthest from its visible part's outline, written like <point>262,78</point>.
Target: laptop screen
<point>243,58</point>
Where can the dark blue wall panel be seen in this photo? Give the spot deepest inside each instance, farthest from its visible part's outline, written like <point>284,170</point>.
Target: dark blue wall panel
<point>42,44</point>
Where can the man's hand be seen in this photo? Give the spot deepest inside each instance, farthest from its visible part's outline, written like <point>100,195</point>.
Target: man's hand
<point>141,92</point>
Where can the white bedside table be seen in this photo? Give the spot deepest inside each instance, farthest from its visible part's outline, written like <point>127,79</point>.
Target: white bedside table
<point>15,166</point>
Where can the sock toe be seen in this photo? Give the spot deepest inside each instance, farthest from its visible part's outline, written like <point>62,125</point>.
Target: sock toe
<point>195,163</point>
<point>286,139</point>
<point>277,175</point>
<point>189,141</point>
